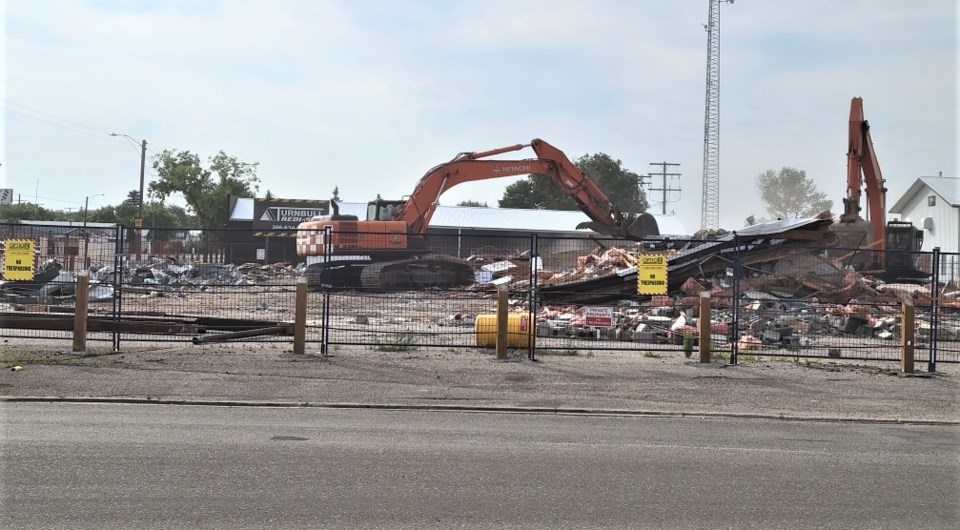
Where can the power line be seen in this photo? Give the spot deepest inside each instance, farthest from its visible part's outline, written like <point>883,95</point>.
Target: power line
<point>98,136</point>
<point>663,187</point>
<point>91,131</point>
<point>8,102</point>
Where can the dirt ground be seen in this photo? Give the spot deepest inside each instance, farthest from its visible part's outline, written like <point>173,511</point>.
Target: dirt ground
<point>602,381</point>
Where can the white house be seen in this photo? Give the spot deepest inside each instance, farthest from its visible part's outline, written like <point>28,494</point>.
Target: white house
<point>933,204</point>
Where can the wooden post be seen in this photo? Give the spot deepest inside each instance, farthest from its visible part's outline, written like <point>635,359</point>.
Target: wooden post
<point>907,333</point>
<point>502,321</point>
<point>81,302</point>
<point>300,317</point>
<point>704,325</point>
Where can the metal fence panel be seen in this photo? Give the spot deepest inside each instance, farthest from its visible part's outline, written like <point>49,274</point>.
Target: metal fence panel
<point>567,294</point>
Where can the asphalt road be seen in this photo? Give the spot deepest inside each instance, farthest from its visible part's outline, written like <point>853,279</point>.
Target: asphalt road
<point>108,466</point>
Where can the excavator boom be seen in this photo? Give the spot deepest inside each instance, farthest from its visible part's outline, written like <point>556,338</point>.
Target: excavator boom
<point>468,167</point>
<point>389,248</point>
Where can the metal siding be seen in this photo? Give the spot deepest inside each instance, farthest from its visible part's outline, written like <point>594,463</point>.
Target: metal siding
<point>946,218</point>
<point>513,219</point>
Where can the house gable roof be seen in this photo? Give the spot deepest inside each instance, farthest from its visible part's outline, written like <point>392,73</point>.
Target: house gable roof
<point>948,188</point>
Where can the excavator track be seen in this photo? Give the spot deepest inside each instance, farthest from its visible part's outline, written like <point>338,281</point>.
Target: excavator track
<point>431,270</point>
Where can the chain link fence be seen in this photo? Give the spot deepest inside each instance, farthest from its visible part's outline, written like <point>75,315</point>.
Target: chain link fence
<point>769,295</point>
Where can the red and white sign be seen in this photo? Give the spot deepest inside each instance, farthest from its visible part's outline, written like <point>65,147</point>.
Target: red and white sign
<point>599,316</point>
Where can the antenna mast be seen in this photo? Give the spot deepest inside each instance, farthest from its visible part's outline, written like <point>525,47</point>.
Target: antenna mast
<point>710,212</point>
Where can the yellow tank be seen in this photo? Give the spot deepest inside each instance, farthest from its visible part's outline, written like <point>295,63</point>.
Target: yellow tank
<point>518,330</point>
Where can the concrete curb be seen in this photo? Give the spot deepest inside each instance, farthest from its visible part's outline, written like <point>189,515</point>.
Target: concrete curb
<point>467,408</point>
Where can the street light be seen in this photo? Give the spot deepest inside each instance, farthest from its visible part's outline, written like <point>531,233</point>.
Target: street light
<point>138,222</point>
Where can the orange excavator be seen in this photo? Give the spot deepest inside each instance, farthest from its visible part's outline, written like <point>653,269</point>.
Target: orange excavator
<point>897,243</point>
<point>389,250</point>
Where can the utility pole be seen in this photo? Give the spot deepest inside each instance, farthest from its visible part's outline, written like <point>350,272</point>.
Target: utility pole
<point>663,187</point>
<point>138,222</point>
<point>85,234</point>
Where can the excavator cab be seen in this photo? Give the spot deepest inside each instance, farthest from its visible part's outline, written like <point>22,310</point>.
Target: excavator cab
<point>383,210</point>
<point>903,243</point>
<point>903,236</point>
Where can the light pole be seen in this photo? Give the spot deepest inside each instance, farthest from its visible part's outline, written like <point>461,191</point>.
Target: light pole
<point>138,222</point>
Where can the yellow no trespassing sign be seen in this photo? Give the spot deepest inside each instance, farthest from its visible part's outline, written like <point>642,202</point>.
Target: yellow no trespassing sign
<point>18,259</point>
<point>652,274</point>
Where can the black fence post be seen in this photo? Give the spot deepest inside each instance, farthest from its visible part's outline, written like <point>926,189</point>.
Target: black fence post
<point>735,317</point>
<point>532,297</point>
<point>117,281</point>
<point>934,312</point>
<point>325,287</point>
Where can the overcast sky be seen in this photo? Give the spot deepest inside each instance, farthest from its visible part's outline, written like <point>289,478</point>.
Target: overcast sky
<point>368,95</point>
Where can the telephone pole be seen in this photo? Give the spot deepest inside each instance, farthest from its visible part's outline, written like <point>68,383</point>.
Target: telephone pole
<point>138,222</point>
<point>664,189</point>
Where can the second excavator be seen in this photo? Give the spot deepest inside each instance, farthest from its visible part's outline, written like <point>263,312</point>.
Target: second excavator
<point>894,246</point>
<point>389,248</point>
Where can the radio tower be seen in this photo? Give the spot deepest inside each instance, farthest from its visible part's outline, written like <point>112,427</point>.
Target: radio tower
<point>710,213</point>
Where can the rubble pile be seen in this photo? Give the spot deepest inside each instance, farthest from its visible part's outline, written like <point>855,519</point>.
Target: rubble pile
<point>157,277</point>
<point>790,293</point>
<point>171,272</point>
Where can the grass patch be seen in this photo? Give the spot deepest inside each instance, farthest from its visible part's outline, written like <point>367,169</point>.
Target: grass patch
<point>687,345</point>
<point>9,361</point>
<point>401,342</point>
<point>569,352</point>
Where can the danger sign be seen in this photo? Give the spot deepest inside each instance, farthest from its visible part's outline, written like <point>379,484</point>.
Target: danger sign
<point>652,274</point>
<point>18,259</point>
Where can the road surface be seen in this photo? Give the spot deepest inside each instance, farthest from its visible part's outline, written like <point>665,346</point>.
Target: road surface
<point>112,466</point>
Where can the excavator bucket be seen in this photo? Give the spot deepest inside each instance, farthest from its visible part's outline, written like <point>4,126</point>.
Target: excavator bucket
<point>634,227</point>
<point>640,226</point>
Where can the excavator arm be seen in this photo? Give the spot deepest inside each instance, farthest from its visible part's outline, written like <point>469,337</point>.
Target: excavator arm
<point>863,170</point>
<point>605,218</point>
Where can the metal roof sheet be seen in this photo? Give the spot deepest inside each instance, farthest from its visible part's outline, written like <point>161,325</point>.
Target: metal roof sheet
<point>946,187</point>
<point>243,209</point>
<point>488,218</point>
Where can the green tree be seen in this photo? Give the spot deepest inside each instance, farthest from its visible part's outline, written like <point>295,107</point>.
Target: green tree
<point>14,213</point>
<point>475,204</point>
<point>206,191</point>
<point>618,183</point>
<point>789,193</point>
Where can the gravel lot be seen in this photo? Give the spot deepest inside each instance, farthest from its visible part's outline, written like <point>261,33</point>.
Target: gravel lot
<point>466,377</point>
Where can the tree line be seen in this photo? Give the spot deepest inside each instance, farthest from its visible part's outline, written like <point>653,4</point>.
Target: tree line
<point>206,188</point>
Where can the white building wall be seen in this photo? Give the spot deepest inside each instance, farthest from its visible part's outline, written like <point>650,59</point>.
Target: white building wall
<point>945,220</point>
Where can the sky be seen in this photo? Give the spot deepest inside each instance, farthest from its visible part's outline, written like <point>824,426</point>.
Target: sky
<point>366,96</point>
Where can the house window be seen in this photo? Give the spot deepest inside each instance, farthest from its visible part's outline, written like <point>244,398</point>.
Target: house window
<point>932,200</point>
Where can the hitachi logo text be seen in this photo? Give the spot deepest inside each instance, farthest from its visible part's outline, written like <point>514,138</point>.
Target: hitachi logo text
<point>512,169</point>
